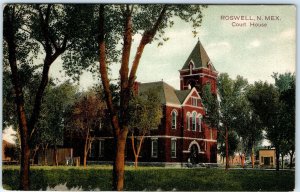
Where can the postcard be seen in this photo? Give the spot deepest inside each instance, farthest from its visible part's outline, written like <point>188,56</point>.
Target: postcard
<point>136,97</point>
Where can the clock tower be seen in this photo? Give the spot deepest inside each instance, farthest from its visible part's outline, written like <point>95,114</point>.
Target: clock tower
<point>198,71</point>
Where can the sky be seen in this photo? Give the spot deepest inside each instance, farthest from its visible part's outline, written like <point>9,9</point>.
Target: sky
<point>252,52</point>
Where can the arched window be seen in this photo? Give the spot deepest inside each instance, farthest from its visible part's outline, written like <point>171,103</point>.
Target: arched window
<point>174,115</point>
<point>194,121</point>
<point>199,123</point>
<point>188,121</point>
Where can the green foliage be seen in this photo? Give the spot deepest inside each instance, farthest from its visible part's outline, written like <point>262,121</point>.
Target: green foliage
<point>29,79</point>
<point>286,84</point>
<point>145,112</point>
<point>211,104</point>
<point>275,106</point>
<point>85,53</point>
<point>85,114</point>
<point>233,142</point>
<point>50,126</point>
<point>232,102</point>
<point>157,178</point>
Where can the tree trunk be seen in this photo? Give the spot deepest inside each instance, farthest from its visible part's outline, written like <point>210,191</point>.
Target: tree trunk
<point>120,128</point>
<point>133,149</point>
<point>242,161</point>
<point>34,153</point>
<point>252,157</point>
<point>45,154</point>
<point>277,158</point>
<point>227,149</point>
<point>84,159</point>
<point>139,150</point>
<point>55,156</point>
<point>136,152</point>
<point>86,150</point>
<point>9,36</point>
<point>25,161</point>
<point>119,163</point>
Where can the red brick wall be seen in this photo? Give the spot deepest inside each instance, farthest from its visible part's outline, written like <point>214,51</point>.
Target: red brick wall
<point>209,76</point>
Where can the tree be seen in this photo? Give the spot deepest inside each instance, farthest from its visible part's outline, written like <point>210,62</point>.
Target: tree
<point>125,21</point>
<point>50,126</point>
<point>247,125</point>
<point>285,83</point>
<point>232,145</point>
<point>264,99</point>
<point>231,93</point>
<point>145,114</point>
<point>28,29</point>
<point>212,107</point>
<point>85,117</point>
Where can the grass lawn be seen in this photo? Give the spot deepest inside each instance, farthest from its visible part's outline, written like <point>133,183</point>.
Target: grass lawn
<point>153,178</point>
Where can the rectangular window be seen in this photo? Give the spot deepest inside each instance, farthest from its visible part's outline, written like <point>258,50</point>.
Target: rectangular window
<point>173,148</point>
<point>262,159</point>
<point>199,124</point>
<point>194,101</point>
<point>92,149</point>
<point>194,122</point>
<point>194,125</point>
<point>211,133</point>
<point>154,148</point>
<point>101,148</point>
<point>100,126</point>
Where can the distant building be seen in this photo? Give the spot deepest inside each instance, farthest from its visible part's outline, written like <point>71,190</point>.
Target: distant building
<point>8,151</point>
<point>267,157</point>
<point>182,135</point>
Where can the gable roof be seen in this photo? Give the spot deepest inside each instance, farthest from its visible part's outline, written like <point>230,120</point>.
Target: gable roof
<point>199,57</point>
<point>182,94</point>
<point>165,92</point>
<point>190,94</point>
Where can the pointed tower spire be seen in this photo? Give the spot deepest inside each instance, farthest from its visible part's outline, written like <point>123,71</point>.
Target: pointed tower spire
<point>198,57</point>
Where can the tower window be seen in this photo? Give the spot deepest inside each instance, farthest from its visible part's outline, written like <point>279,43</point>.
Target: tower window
<point>191,66</point>
<point>174,114</point>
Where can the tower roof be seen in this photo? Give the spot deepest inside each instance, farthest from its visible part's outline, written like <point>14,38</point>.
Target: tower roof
<point>199,57</point>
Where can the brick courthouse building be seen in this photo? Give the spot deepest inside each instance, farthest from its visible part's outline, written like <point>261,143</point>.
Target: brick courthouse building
<point>182,135</point>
